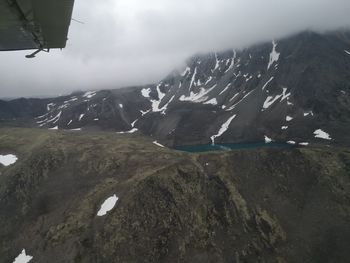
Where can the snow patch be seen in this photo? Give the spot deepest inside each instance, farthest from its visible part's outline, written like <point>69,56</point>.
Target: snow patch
<point>234,106</point>
<point>121,105</point>
<point>289,118</point>
<point>222,129</point>
<point>23,258</point>
<point>284,127</point>
<point>285,95</point>
<point>54,128</point>
<point>41,116</point>
<point>322,134</point>
<point>291,142</point>
<point>193,78</point>
<point>64,106</point>
<point>145,92</point>
<point>226,88</point>
<point>274,55</point>
<point>347,52</point>
<point>208,80</point>
<point>134,122</point>
<point>199,82</point>
<point>158,144</point>
<point>187,70</point>
<point>212,102</point>
<point>267,83</point>
<point>249,78</point>
<point>50,106</point>
<point>89,94</point>
<point>133,130</point>
<point>77,129</point>
<point>56,118</point>
<point>197,97</point>
<point>81,116</point>
<point>269,101</point>
<point>39,122</point>
<point>308,113</point>
<point>70,100</point>
<point>165,107</point>
<point>304,143</point>
<point>144,112</point>
<point>267,139</point>
<point>234,96</point>
<point>217,63</point>
<point>232,61</point>
<point>107,205</point>
<point>156,103</point>
<point>8,159</point>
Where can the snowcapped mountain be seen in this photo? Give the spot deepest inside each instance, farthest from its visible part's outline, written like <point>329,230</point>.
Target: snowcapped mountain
<point>294,90</point>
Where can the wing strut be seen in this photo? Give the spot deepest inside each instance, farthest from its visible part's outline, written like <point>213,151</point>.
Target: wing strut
<point>32,55</point>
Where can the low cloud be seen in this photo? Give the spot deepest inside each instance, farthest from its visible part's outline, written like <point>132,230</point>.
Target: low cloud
<point>134,42</point>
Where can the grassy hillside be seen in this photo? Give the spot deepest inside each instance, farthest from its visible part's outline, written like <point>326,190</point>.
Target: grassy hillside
<point>267,205</point>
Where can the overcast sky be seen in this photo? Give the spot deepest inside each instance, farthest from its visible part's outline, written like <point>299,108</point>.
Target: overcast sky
<point>131,42</point>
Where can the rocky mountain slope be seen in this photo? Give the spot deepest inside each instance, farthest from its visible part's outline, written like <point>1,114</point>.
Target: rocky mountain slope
<point>295,89</point>
<point>293,206</point>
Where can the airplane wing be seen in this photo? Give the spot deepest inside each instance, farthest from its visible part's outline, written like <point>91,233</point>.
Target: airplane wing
<point>34,24</point>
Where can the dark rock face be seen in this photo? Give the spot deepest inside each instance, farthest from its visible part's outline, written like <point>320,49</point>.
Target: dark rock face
<point>290,206</point>
<point>285,90</point>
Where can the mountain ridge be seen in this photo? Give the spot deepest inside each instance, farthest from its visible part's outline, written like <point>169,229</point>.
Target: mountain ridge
<point>284,90</point>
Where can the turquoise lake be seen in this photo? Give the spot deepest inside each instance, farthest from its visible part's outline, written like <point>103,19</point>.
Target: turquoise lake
<point>232,146</point>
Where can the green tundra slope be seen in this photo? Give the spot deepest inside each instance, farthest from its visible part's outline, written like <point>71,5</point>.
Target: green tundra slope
<point>267,205</point>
